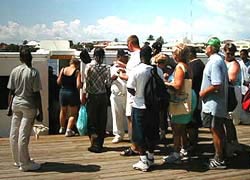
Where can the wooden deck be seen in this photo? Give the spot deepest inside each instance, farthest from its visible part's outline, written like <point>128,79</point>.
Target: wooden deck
<point>68,158</point>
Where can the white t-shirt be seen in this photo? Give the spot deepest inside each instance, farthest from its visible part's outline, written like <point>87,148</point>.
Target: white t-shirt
<point>137,81</point>
<point>133,61</point>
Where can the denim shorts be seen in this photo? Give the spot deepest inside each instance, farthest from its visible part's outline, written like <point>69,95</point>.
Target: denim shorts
<point>69,97</point>
<point>145,127</point>
<point>138,137</point>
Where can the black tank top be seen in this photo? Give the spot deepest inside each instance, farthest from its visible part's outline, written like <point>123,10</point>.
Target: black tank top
<point>69,82</point>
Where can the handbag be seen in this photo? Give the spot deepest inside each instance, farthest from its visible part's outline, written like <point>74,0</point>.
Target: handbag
<point>82,121</point>
<point>246,101</point>
<point>180,100</point>
<point>231,98</point>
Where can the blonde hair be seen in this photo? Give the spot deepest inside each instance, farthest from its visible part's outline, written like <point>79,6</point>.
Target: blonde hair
<point>182,51</point>
<point>75,61</point>
<point>160,58</point>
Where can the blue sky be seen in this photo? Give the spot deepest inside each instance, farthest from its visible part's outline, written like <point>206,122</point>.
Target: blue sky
<point>87,20</point>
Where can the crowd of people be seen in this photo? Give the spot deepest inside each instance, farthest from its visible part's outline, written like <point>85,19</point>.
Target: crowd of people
<point>126,79</point>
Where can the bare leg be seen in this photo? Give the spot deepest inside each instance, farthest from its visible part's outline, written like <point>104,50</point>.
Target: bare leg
<point>176,137</point>
<point>218,143</point>
<point>129,127</point>
<point>63,114</point>
<point>72,118</point>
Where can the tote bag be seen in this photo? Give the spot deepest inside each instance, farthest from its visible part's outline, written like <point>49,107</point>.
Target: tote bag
<point>82,121</point>
<point>180,101</point>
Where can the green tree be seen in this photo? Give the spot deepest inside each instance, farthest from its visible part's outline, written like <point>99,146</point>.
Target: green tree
<point>71,43</point>
<point>12,48</point>
<point>116,40</point>
<point>25,42</point>
<point>89,46</point>
<point>151,38</point>
<point>160,39</point>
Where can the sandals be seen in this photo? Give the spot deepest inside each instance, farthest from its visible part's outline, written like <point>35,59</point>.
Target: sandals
<point>128,152</point>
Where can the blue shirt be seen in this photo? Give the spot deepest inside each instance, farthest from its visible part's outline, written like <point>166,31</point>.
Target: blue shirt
<point>215,73</point>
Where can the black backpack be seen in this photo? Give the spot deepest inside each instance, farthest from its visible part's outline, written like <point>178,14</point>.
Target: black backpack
<point>155,92</point>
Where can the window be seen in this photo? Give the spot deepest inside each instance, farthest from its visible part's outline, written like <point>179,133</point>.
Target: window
<point>4,92</point>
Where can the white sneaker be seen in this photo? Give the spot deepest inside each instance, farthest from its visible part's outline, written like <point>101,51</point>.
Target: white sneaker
<point>18,165</point>
<point>142,166</point>
<point>70,133</point>
<point>173,158</point>
<point>184,154</point>
<point>117,139</point>
<point>62,130</point>
<point>32,166</point>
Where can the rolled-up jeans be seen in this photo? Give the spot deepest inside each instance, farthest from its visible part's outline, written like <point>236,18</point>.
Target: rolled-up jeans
<point>21,127</point>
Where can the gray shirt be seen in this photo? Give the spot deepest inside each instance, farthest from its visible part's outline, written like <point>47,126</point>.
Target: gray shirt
<point>215,73</point>
<point>25,81</point>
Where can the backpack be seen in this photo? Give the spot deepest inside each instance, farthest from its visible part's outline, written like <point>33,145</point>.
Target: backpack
<point>155,92</point>
<point>231,99</point>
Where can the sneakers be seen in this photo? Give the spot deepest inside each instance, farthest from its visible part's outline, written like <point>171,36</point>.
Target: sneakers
<point>215,164</point>
<point>184,154</point>
<point>62,130</point>
<point>18,165</point>
<point>70,133</point>
<point>32,166</point>
<point>173,158</point>
<point>117,139</point>
<point>142,164</point>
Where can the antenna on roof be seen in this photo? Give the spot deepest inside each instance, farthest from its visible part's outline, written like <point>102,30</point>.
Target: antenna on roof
<point>191,20</point>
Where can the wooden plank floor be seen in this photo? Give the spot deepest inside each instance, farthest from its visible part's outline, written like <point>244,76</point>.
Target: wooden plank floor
<point>68,158</point>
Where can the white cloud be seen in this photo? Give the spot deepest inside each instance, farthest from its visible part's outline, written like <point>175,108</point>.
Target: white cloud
<point>230,19</point>
<point>227,20</point>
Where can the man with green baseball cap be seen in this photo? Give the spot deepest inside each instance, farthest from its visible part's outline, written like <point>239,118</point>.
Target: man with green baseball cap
<point>214,90</point>
<point>215,42</point>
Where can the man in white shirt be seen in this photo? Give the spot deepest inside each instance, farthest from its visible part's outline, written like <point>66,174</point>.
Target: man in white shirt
<point>134,48</point>
<point>145,129</point>
<point>118,96</point>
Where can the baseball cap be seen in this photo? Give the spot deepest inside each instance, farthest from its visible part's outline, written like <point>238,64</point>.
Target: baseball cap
<point>122,52</point>
<point>214,41</point>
